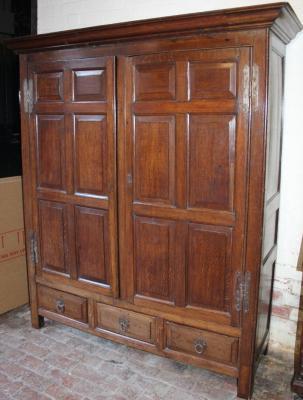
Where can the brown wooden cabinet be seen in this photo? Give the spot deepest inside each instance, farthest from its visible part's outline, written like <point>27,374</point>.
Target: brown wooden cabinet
<point>151,159</point>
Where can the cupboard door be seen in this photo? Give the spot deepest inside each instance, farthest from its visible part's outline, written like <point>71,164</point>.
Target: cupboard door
<point>182,176</point>
<point>74,175</point>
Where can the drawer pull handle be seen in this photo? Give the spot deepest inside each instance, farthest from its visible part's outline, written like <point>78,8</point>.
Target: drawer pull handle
<point>200,346</point>
<point>124,324</point>
<point>60,306</point>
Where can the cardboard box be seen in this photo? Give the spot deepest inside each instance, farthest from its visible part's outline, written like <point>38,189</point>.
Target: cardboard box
<point>13,275</point>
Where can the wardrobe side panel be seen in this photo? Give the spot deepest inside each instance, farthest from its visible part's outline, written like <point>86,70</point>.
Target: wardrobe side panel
<point>272,190</point>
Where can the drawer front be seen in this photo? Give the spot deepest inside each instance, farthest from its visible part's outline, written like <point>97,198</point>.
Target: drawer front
<point>66,304</point>
<point>202,344</point>
<point>126,323</point>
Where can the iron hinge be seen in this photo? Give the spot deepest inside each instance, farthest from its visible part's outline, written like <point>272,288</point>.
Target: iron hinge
<point>34,248</point>
<point>28,96</point>
<point>250,87</point>
<point>246,89</point>
<point>255,87</point>
<point>243,280</point>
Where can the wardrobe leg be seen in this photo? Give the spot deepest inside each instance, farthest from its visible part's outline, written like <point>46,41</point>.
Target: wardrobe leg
<point>244,383</point>
<point>37,321</point>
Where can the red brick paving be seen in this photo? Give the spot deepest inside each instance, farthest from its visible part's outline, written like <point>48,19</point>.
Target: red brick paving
<point>61,363</point>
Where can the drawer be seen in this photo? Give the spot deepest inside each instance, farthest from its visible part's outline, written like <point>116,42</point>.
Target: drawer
<point>126,323</point>
<point>201,343</point>
<point>66,304</point>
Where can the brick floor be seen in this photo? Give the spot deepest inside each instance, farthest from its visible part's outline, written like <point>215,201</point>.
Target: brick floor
<point>61,363</point>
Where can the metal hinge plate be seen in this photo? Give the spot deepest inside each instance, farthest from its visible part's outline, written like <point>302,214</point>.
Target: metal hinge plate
<point>34,248</point>
<point>250,87</point>
<point>243,280</point>
<point>28,97</point>
<point>255,87</point>
<point>246,89</point>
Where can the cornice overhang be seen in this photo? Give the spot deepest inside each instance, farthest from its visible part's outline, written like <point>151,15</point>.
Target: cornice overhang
<point>280,17</point>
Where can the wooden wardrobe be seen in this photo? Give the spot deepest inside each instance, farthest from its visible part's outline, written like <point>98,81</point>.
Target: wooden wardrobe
<point>151,162</point>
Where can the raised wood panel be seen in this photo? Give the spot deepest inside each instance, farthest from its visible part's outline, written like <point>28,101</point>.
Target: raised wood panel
<point>155,81</point>
<point>53,236</point>
<point>211,159</point>
<point>89,84</point>
<point>50,151</point>
<point>92,246</point>
<point>154,257</point>
<point>154,159</point>
<point>208,80</point>
<point>90,154</point>
<point>209,267</point>
<point>49,86</point>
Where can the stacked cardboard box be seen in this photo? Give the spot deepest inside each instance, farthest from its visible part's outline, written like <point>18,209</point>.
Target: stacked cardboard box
<point>13,276</point>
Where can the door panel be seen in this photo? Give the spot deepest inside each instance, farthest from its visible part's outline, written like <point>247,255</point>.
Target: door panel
<point>154,258</point>
<point>90,158</point>
<point>51,151</point>
<point>73,148</point>
<point>212,80</point>
<point>155,81</point>
<point>92,244</point>
<point>49,86</point>
<point>154,156</point>
<point>89,84</point>
<point>208,280</point>
<point>183,180</point>
<point>53,235</point>
<point>211,149</point>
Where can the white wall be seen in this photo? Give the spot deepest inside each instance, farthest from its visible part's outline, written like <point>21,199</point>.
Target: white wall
<point>55,15</point>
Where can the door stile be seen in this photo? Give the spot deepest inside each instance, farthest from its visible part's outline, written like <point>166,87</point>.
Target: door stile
<point>255,202</point>
<point>124,86</point>
<point>112,174</point>
<point>33,144</point>
<point>27,184</point>
<point>70,186</point>
<point>241,176</point>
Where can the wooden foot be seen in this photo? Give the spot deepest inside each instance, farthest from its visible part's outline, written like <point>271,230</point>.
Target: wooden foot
<point>244,389</point>
<point>38,322</point>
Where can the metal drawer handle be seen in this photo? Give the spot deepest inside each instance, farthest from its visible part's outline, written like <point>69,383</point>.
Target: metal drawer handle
<point>200,346</point>
<point>60,306</point>
<point>124,324</point>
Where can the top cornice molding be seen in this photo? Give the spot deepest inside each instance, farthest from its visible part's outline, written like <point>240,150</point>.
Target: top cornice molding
<point>280,17</point>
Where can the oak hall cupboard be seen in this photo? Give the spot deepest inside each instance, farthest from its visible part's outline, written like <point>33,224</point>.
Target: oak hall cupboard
<point>151,161</point>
